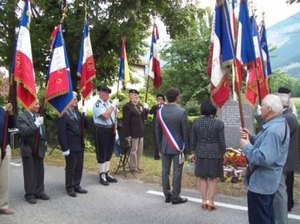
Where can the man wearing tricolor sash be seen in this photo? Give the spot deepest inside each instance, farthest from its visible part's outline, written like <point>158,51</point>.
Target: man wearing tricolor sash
<point>172,136</point>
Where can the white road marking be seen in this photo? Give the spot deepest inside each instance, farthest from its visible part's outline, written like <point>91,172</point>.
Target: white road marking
<point>225,205</point>
<point>15,164</point>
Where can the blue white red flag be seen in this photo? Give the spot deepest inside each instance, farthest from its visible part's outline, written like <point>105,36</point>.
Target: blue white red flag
<point>255,78</point>
<point>59,90</point>
<point>86,65</point>
<point>221,54</point>
<point>22,66</point>
<point>124,70</point>
<point>245,47</point>
<point>154,64</point>
<point>265,49</point>
<point>245,52</point>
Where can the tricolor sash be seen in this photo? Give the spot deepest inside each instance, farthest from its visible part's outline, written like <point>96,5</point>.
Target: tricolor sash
<point>177,144</point>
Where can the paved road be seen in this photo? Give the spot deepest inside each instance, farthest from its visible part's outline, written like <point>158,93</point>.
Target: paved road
<point>128,201</point>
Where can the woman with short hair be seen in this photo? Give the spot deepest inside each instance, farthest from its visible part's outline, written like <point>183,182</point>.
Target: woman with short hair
<point>208,145</point>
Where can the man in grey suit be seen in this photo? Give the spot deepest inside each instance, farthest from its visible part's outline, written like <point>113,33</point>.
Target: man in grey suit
<point>172,137</point>
<point>33,148</point>
<point>283,199</point>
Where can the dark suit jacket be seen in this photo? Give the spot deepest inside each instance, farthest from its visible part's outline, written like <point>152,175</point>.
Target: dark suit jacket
<point>69,132</point>
<point>11,124</point>
<point>28,132</point>
<point>176,119</point>
<point>292,160</point>
<point>134,120</point>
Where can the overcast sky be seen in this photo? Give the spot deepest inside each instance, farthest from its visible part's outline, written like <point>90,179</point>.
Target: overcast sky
<point>275,10</point>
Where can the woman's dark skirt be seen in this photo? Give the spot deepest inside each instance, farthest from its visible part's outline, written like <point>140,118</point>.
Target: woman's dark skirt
<point>209,168</point>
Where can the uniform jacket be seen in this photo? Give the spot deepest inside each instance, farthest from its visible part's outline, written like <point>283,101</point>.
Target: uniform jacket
<point>207,138</point>
<point>11,124</point>
<point>28,132</point>
<point>134,120</point>
<point>69,131</point>
<point>176,119</point>
<point>292,160</point>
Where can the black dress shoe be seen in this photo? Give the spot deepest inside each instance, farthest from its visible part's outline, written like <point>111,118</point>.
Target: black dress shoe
<point>80,190</point>
<point>72,194</point>
<point>179,200</point>
<point>31,200</point>
<point>168,199</point>
<point>42,197</point>
<point>103,180</point>
<point>110,178</point>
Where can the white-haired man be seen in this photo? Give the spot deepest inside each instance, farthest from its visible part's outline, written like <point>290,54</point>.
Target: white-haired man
<point>266,153</point>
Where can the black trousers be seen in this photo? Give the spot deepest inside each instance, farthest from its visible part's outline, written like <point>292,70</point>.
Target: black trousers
<point>33,172</point>
<point>260,208</point>
<point>156,149</point>
<point>104,142</point>
<point>289,181</point>
<point>74,166</point>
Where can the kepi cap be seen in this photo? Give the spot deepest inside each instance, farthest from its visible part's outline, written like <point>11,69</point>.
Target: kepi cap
<point>134,91</point>
<point>283,89</point>
<point>104,89</point>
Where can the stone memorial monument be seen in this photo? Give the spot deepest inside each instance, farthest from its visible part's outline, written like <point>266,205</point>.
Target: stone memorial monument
<point>230,115</point>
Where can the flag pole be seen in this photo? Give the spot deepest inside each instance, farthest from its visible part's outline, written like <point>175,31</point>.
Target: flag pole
<point>117,95</point>
<point>147,88</point>
<point>239,97</point>
<point>82,113</point>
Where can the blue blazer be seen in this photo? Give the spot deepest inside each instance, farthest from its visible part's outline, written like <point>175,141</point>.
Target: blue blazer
<point>69,131</point>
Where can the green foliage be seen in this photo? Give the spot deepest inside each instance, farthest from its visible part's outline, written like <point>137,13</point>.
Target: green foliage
<point>187,58</point>
<point>280,78</point>
<point>193,108</point>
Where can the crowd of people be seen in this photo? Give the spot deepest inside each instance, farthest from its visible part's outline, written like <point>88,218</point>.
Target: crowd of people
<point>272,154</point>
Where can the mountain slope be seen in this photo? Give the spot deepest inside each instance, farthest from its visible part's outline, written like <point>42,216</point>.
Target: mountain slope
<point>285,36</point>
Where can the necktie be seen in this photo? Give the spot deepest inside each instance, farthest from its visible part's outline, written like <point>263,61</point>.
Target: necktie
<point>75,115</point>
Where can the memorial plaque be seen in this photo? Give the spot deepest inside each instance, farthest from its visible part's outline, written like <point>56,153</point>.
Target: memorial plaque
<point>230,115</point>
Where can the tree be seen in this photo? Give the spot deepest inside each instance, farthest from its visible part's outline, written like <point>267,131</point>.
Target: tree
<point>187,57</point>
<point>110,21</point>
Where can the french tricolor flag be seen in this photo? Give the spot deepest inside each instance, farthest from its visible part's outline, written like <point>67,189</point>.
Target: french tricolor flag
<point>59,90</point>
<point>245,51</point>
<point>265,49</point>
<point>22,67</point>
<point>154,69</point>
<point>86,65</point>
<point>220,55</point>
<point>256,78</point>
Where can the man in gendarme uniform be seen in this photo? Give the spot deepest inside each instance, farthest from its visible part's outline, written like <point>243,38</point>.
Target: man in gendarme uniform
<point>104,133</point>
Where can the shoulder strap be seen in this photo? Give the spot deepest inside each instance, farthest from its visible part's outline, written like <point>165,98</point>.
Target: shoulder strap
<point>285,133</point>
